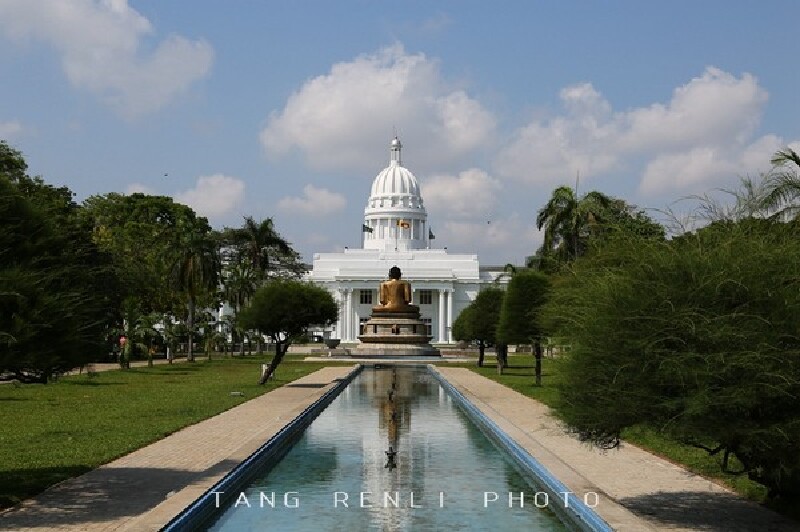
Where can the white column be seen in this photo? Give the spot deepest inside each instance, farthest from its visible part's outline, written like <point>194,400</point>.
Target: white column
<point>345,314</point>
<point>350,315</point>
<point>442,334</point>
<point>340,319</point>
<point>356,317</point>
<point>450,315</point>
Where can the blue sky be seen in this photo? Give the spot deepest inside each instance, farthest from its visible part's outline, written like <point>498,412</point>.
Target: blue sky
<point>286,109</point>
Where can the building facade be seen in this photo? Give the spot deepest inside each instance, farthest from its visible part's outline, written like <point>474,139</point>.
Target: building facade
<point>396,233</point>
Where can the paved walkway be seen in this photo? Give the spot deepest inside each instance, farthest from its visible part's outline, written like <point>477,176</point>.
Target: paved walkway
<point>145,489</point>
<point>638,491</point>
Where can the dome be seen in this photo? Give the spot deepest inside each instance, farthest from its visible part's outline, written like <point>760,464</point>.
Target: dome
<point>395,185</point>
<point>394,181</point>
<point>395,216</point>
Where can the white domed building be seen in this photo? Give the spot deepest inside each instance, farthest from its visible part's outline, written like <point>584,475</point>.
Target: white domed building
<point>396,233</point>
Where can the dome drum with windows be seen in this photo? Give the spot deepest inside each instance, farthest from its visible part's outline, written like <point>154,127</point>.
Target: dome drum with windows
<point>395,218</point>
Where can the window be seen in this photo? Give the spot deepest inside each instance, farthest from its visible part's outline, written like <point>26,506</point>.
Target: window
<point>425,297</point>
<point>428,326</point>
<point>361,323</point>
<point>365,297</point>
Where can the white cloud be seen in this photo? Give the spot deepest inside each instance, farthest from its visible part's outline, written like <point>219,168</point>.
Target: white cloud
<point>213,195</point>
<point>315,202</point>
<point>716,107</point>
<point>99,43</point>
<point>470,193</point>
<point>337,119</point>
<point>9,130</point>
<point>701,168</point>
<point>703,134</point>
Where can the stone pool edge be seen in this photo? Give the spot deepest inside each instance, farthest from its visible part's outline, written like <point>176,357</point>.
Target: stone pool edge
<point>198,512</point>
<point>612,514</point>
<point>574,511</point>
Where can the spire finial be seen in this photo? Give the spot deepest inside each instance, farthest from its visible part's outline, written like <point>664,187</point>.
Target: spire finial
<point>395,148</point>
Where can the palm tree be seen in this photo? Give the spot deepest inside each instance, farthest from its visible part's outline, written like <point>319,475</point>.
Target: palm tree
<point>196,272</point>
<point>240,283</point>
<point>782,185</point>
<point>262,245</point>
<point>568,221</point>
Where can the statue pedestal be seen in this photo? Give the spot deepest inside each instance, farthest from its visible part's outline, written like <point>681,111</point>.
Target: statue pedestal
<point>395,333</point>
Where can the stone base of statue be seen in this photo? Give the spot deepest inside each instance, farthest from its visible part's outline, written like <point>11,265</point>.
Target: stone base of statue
<point>394,333</point>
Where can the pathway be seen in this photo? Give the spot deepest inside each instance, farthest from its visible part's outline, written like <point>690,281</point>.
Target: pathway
<point>638,491</point>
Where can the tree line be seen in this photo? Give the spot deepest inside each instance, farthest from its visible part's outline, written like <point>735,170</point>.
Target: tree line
<point>695,334</point>
<point>75,278</point>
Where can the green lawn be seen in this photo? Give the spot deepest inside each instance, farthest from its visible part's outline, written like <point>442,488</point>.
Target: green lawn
<point>55,431</point>
<point>520,377</point>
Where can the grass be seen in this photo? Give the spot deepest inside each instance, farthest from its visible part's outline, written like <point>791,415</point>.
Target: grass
<point>520,377</point>
<point>55,431</point>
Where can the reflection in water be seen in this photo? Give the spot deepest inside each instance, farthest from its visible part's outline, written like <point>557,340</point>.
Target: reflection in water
<point>391,420</point>
<point>348,472</point>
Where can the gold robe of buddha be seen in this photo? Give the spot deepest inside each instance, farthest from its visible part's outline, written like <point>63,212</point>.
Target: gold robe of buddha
<point>395,294</point>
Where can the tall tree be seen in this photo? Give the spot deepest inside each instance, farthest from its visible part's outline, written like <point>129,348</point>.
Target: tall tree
<point>253,254</point>
<point>153,241</point>
<point>571,224</point>
<point>566,220</point>
<point>284,309</point>
<point>196,272</point>
<point>240,283</point>
<point>58,293</point>
<point>519,316</point>
<point>479,320</point>
<point>265,249</point>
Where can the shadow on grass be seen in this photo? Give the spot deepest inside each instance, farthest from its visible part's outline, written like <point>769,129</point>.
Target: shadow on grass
<point>100,495</point>
<point>520,371</point>
<point>712,512</point>
<point>309,385</point>
<point>89,382</point>
<point>164,371</point>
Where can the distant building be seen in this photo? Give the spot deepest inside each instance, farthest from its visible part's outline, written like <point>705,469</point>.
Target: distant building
<point>396,233</point>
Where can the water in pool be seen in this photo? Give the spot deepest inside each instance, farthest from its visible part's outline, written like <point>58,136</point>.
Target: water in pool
<point>392,452</point>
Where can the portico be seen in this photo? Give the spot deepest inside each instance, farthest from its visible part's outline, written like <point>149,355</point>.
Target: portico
<point>356,299</point>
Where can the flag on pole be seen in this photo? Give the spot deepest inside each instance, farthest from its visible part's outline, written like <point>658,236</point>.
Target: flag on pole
<point>365,228</point>
<point>403,224</point>
<point>431,236</point>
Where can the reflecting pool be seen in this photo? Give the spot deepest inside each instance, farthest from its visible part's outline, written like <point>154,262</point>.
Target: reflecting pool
<point>392,452</point>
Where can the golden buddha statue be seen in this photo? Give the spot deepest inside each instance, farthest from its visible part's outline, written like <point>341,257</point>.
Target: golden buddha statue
<point>394,294</point>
